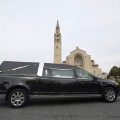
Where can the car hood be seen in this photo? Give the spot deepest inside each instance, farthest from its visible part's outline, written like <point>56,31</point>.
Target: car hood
<point>108,81</point>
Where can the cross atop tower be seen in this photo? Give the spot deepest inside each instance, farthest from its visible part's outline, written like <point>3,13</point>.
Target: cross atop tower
<point>57,25</point>
<point>57,44</point>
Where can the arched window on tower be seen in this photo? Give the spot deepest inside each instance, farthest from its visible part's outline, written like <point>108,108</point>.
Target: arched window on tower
<point>56,47</point>
<point>57,40</point>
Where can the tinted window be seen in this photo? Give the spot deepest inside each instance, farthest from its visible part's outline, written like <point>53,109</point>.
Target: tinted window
<point>83,74</point>
<point>62,73</point>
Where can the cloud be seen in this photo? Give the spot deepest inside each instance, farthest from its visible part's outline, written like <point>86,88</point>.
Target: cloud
<point>27,29</point>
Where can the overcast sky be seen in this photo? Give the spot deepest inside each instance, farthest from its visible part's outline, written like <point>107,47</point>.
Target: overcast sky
<point>27,29</point>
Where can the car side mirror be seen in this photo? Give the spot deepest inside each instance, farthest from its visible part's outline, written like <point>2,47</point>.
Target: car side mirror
<point>95,78</point>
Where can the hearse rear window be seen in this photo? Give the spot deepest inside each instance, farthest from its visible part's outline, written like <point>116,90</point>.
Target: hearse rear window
<point>62,73</point>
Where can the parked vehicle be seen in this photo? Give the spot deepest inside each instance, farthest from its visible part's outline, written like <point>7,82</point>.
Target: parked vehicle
<point>19,80</point>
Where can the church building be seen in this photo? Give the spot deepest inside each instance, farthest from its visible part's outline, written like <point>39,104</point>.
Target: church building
<point>77,57</point>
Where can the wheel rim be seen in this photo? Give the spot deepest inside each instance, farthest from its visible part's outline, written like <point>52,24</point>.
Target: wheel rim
<point>110,95</point>
<point>17,98</point>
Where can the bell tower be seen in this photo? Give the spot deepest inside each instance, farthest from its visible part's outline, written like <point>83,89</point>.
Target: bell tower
<point>57,44</point>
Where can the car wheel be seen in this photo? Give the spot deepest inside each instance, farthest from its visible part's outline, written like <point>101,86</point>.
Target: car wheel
<point>109,95</point>
<point>18,98</point>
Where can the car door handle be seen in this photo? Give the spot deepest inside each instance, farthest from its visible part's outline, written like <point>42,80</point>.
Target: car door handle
<point>82,82</point>
<point>4,82</point>
<point>53,80</point>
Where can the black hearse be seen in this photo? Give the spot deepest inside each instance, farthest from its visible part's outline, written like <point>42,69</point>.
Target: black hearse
<point>19,80</point>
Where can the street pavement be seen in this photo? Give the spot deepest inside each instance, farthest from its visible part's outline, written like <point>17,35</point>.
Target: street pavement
<point>62,109</point>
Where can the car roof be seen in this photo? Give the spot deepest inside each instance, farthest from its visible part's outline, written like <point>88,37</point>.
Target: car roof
<point>60,66</point>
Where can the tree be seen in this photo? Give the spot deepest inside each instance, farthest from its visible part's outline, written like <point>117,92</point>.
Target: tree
<point>118,73</point>
<point>114,72</point>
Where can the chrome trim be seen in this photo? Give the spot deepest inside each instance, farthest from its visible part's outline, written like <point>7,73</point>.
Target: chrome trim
<point>65,96</point>
<point>15,69</point>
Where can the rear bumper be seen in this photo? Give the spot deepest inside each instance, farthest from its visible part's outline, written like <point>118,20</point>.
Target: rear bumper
<point>2,97</point>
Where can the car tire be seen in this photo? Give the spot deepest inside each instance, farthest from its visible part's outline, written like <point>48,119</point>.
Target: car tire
<point>18,98</point>
<point>109,95</point>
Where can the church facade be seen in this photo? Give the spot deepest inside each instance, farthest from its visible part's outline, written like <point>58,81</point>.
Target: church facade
<point>77,57</point>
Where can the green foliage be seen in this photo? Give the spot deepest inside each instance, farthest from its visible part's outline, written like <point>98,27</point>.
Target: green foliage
<point>118,73</point>
<point>114,74</point>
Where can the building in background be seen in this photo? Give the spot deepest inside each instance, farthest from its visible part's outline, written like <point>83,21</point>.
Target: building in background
<point>82,60</point>
<point>103,75</point>
<point>77,57</point>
